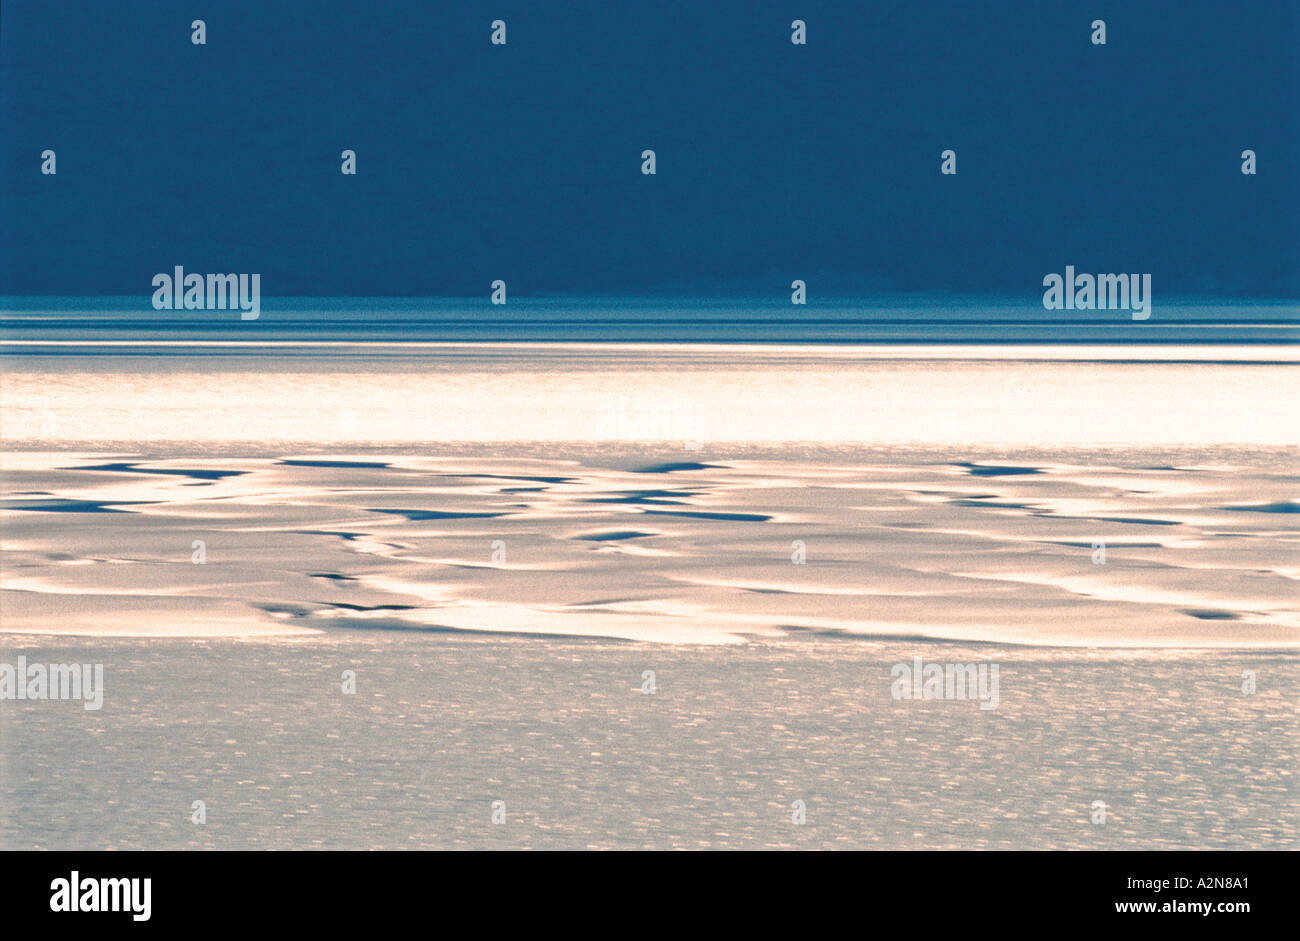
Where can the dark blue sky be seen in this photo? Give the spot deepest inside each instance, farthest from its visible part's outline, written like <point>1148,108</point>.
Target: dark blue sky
<point>775,161</point>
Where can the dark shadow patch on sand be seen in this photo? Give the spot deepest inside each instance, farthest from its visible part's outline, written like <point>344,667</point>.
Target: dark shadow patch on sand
<point>617,536</point>
<point>1136,520</point>
<point>916,639</point>
<point>370,607</point>
<point>600,603</point>
<point>1281,506</point>
<point>678,466</point>
<point>437,514</point>
<point>59,505</point>
<point>346,537</point>
<point>1087,544</point>
<point>955,495</point>
<point>379,624</point>
<point>996,470</point>
<point>397,624</point>
<point>993,505</point>
<point>661,497</point>
<point>127,467</point>
<point>837,632</point>
<point>360,465</point>
<point>333,576</point>
<point>841,633</point>
<point>1208,614</point>
<point>701,515</point>
<point>535,480</point>
<point>295,610</point>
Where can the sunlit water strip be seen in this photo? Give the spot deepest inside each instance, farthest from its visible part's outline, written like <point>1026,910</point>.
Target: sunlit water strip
<point>1045,396</point>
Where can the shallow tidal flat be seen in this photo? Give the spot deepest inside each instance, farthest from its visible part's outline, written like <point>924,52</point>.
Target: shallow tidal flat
<point>501,543</point>
<point>711,550</point>
<point>561,731</point>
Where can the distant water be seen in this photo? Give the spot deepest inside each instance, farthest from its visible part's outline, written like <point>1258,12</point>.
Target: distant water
<point>719,318</point>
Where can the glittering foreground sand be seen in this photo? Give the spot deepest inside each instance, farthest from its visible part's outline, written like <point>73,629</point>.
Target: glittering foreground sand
<point>442,725</point>
<point>700,550</point>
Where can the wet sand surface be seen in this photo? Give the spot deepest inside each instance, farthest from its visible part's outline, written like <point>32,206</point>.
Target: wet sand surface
<point>652,598</point>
